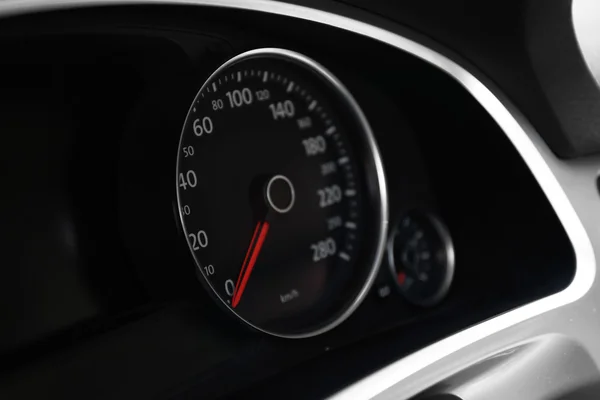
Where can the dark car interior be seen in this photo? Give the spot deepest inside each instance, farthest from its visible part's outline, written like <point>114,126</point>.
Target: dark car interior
<point>105,294</point>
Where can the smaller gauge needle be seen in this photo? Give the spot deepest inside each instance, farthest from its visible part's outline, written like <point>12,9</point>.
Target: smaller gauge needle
<point>258,239</point>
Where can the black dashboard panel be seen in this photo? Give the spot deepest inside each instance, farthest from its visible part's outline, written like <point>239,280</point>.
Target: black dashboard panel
<point>529,48</point>
<point>103,298</point>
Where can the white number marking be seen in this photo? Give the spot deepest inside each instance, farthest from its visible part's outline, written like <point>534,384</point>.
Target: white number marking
<point>238,98</point>
<point>209,270</point>
<point>188,151</point>
<point>199,239</point>
<point>189,179</point>
<point>304,122</point>
<point>334,222</point>
<point>262,95</point>
<point>229,287</point>
<point>282,110</point>
<point>328,168</point>
<point>315,145</point>
<point>329,196</point>
<point>217,104</point>
<point>204,126</point>
<point>323,249</point>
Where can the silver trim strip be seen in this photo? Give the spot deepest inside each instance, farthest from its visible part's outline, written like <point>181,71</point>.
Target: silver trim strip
<point>586,20</point>
<point>531,148</point>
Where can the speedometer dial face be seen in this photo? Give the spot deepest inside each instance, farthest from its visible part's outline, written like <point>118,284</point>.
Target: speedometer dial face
<point>281,193</point>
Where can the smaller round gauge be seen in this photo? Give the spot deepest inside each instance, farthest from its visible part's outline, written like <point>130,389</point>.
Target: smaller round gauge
<point>421,257</point>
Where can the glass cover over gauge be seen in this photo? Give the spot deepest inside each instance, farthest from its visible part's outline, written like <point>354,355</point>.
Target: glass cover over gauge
<point>281,193</point>
<point>421,257</point>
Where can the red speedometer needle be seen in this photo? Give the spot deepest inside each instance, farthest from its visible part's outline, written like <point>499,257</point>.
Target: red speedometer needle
<point>258,238</point>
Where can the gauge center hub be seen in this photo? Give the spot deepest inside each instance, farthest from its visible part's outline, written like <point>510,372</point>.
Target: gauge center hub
<point>280,194</point>
<point>410,258</point>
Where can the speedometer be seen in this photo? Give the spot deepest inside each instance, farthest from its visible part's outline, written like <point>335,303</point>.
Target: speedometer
<point>281,193</point>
